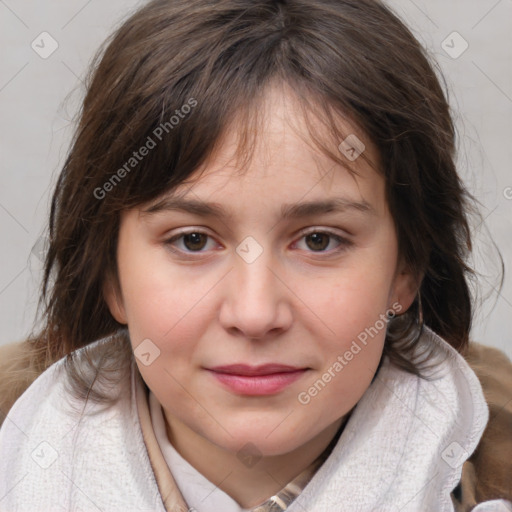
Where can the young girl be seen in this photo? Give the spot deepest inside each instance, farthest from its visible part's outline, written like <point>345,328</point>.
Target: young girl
<point>255,288</point>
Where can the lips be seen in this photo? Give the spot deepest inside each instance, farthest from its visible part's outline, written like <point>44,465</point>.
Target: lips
<point>250,371</point>
<point>267,379</point>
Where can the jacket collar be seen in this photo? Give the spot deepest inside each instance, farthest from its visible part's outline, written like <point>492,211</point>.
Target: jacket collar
<point>171,496</point>
<point>405,442</point>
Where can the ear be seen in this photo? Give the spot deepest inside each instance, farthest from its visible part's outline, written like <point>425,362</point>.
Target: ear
<point>405,287</point>
<point>113,297</point>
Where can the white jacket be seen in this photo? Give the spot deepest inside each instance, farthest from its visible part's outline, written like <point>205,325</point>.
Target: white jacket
<point>401,450</point>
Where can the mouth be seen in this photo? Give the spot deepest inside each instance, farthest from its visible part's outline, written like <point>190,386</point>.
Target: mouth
<point>267,379</point>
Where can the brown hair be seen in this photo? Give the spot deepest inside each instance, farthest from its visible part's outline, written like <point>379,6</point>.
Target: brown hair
<point>349,58</point>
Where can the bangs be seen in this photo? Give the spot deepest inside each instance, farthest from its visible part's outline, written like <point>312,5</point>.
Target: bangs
<point>176,153</point>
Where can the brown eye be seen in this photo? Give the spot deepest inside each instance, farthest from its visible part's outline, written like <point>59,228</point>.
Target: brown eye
<point>189,242</point>
<point>322,242</point>
<point>194,241</point>
<point>318,241</point>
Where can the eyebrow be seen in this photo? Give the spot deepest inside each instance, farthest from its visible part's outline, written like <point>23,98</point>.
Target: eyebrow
<point>288,211</point>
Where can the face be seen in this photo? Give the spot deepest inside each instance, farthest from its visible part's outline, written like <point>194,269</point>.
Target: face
<point>257,326</point>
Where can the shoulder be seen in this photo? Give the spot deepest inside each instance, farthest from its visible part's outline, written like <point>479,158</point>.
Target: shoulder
<point>487,475</point>
<point>41,395</point>
<point>48,405</point>
<point>59,450</point>
<point>35,391</point>
<point>18,369</point>
<point>31,436</point>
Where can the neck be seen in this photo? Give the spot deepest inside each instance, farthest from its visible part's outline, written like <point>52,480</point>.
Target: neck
<point>245,477</point>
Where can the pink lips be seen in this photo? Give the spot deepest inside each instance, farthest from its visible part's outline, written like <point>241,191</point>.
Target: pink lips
<point>266,379</point>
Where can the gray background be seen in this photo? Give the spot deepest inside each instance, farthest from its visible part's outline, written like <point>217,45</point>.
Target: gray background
<point>39,98</point>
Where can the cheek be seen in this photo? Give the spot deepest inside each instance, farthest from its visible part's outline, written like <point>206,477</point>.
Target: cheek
<point>341,385</point>
<point>350,354</point>
<point>161,301</point>
<point>352,311</point>
<point>352,303</point>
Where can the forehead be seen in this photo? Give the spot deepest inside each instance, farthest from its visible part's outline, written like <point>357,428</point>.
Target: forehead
<point>285,163</point>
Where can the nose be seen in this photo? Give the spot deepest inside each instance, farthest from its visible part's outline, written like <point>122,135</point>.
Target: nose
<point>257,302</point>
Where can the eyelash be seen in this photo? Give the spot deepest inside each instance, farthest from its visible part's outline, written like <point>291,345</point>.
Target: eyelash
<point>344,243</point>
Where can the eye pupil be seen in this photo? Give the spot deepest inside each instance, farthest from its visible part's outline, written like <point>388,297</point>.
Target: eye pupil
<point>317,239</point>
<point>194,239</point>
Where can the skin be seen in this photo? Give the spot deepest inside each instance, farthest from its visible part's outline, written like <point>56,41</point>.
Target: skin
<point>301,302</point>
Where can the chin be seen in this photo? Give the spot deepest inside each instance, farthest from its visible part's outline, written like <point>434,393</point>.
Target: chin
<point>264,440</point>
